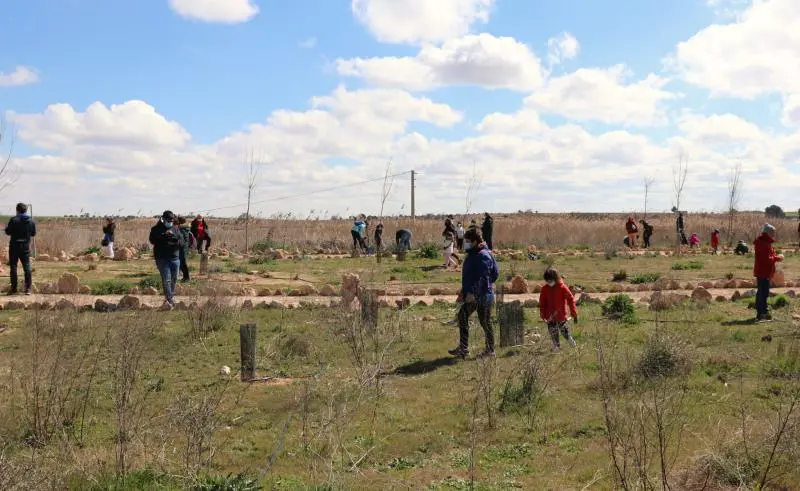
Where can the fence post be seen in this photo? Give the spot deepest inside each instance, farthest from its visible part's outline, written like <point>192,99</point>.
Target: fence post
<point>511,318</point>
<point>247,345</point>
<point>204,262</point>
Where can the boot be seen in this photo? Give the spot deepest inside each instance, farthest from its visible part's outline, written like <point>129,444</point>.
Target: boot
<point>459,352</point>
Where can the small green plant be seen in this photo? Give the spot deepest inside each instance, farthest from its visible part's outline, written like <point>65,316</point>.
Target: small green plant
<point>152,281</point>
<point>738,337</point>
<point>779,302</point>
<point>645,278</point>
<point>110,287</point>
<point>262,261</point>
<point>239,269</point>
<point>265,244</point>
<point>688,266</point>
<point>427,251</point>
<point>729,276</point>
<point>663,357</point>
<point>408,273</point>
<point>92,250</point>
<point>620,275</point>
<point>620,307</point>
<point>231,482</point>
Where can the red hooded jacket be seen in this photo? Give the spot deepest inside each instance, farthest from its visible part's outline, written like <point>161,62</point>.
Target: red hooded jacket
<point>554,300</point>
<point>714,239</point>
<point>765,257</point>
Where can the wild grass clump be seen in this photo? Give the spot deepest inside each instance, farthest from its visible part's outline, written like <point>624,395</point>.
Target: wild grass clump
<point>111,287</point>
<point>663,356</point>
<point>688,266</point>
<point>779,302</point>
<point>152,281</point>
<point>620,307</point>
<point>643,278</point>
<point>262,261</point>
<point>427,251</point>
<point>212,316</point>
<point>620,275</point>
<point>231,482</point>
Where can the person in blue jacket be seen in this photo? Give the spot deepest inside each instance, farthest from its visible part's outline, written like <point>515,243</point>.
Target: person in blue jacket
<point>20,229</point>
<point>358,232</point>
<point>479,272</point>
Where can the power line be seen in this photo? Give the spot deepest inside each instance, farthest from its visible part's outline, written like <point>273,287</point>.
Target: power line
<point>300,195</point>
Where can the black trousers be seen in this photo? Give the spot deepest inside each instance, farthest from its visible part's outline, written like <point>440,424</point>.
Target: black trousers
<point>184,266</point>
<point>358,241</point>
<point>646,241</point>
<point>20,252</point>
<point>206,240</point>
<point>484,310</point>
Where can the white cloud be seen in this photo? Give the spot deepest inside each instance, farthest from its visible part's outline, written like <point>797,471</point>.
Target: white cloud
<point>562,47</point>
<point>420,21</point>
<point>719,129</point>
<point>308,43</point>
<point>758,53</point>
<point>525,122</point>
<point>22,75</point>
<point>216,11</point>
<point>592,94</point>
<point>134,124</point>
<point>791,110</point>
<point>482,60</point>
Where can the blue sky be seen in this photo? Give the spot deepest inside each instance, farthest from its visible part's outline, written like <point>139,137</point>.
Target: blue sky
<point>214,78</point>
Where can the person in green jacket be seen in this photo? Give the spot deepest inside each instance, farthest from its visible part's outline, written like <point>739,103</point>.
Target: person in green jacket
<point>188,243</point>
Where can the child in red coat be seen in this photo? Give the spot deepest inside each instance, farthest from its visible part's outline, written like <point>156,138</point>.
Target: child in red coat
<point>715,241</point>
<point>553,303</point>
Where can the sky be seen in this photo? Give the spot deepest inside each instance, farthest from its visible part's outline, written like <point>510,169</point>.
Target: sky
<point>497,105</point>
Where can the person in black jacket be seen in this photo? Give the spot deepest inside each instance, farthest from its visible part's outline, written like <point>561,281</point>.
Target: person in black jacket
<point>20,229</point>
<point>487,230</point>
<point>109,229</point>
<point>378,237</point>
<point>167,243</point>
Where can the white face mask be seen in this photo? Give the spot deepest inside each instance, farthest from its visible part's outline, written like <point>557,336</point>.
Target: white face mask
<point>467,246</point>
<point>551,283</point>
<point>168,224</point>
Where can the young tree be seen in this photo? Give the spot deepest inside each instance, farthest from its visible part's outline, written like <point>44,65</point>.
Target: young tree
<point>734,196</point>
<point>386,190</point>
<point>473,183</point>
<point>252,170</point>
<point>679,173</point>
<point>648,183</point>
<point>8,172</point>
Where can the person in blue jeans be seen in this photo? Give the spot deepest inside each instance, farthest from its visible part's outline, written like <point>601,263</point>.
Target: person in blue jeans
<point>167,243</point>
<point>764,270</point>
<point>20,229</point>
<point>478,274</point>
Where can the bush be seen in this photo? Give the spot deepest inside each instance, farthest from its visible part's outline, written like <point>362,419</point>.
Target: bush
<point>262,261</point>
<point>620,275</point>
<point>212,316</point>
<point>92,250</point>
<point>662,357</point>
<point>239,269</point>
<point>780,302</point>
<point>111,287</point>
<point>691,265</point>
<point>265,244</point>
<point>238,482</point>
<point>152,281</point>
<point>427,251</point>
<point>645,278</point>
<point>620,307</point>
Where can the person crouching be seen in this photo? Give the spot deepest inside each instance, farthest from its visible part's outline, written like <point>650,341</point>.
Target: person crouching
<point>554,300</point>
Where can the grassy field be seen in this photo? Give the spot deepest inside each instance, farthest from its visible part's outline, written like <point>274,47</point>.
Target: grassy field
<point>696,395</point>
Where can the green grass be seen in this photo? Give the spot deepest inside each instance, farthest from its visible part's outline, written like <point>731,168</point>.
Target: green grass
<point>111,287</point>
<point>645,278</point>
<point>688,266</point>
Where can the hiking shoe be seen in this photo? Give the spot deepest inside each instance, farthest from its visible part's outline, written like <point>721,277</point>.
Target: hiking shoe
<point>764,318</point>
<point>487,354</point>
<point>28,292</point>
<point>11,293</point>
<point>572,341</point>
<point>459,352</point>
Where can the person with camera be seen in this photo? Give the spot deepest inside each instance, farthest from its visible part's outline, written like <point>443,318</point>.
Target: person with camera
<point>167,243</point>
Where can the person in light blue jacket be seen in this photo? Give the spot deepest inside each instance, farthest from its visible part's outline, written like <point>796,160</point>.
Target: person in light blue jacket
<point>358,232</point>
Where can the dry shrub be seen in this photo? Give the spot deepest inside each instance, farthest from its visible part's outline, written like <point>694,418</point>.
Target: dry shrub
<point>212,316</point>
<point>526,386</point>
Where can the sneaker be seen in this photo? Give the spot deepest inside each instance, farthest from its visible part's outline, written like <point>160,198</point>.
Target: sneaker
<point>28,292</point>
<point>487,354</point>
<point>572,341</point>
<point>459,352</point>
<point>764,318</point>
<point>11,293</point>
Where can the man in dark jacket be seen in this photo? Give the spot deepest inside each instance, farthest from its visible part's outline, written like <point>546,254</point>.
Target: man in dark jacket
<point>403,239</point>
<point>648,232</point>
<point>201,233</point>
<point>487,229</point>
<point>167,244</point>
<point>188,240</point>
<point>20,229</point>
<point>478,274</point>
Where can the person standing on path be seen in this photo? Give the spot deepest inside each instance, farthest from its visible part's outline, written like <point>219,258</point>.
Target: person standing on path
<point>479,272</point>
<point>109,229</point>
<point>633,232</point>
<point>20,229</point>
<point>378,237</point>
<point>167,244</point>
<point>647,233</point>
<point>188,242</point>
<point>357,232</point>
<point>201,233</point>
<point>460,236</point>
<point>680,228</point>
<point>764,270</point>
<point>487,230</point>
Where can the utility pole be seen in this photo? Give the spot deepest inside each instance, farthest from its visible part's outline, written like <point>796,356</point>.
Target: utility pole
<point>413,207</point>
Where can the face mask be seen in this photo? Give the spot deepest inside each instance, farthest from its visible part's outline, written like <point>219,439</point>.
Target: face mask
<point>467,246</point>
<point>168,224</point>
<point>551,283</point>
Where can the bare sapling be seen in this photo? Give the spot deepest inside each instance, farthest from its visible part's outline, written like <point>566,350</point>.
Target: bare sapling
<point>9,173</point>
<point>734,197</point>
<point>386,190</point>
<point>679,172</point>
<point>647,182</point>
<point>252,172</point>
<point>473,184</point>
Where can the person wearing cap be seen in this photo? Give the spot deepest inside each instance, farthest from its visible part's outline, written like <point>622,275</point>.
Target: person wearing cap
<point>764,270</point>
<point>201,233</point>
<point>167,244</point>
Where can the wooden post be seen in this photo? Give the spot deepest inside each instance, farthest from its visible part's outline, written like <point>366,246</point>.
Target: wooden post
<point>247,345</point>
<point>511,317</point>
<point>369,310</point>
<point>204,262</point>
<point>401,256</point>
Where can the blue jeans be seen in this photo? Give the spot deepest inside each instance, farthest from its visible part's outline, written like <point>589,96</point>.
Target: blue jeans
<point>762,294</point>
<point>168,268</point>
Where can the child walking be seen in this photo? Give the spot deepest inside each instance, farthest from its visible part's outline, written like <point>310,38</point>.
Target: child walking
<point>553,303</point>
<point>450,258</point>
<point>715,241</point>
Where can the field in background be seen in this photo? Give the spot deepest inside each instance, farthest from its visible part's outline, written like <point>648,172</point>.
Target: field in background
<point>547,231</point>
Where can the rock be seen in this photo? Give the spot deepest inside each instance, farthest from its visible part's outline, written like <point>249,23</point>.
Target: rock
<point>616,288</point>
<point>585,298</point>
<point>531,304</point>
<point>44,258</point>
<point>68,284</point>
<point>519,285</point>
<point>129,302</point>
<point>225,371</point>
<point>795,317</point>
<point>264,292</point>
<point>328,291</point>
<point>85,290</point>
<point>276,305</point>
<point>64,304</point>
<point>732,284</point>
<point>123,254</point>
<point>150,291</point>
<point>736,296</point>
<point>247,305</point>
<point>101,305</point>
<point>383,303</point>
<point>644,287</point>
<point>14,305</point>
<point>403,303</point>
<point>135,291</point>
<point>662,301</point>
<point>791,294</point>
<point>248,292</point>
<point>689,286</point>
<point>706,285</point>
<point>435,291</point>
<point>674,285</point>
<point>351,287</point>
<point>186,291</point>
<point>721,298</point>
<point>424,302</point>
<point>749,294</point>
<point>747,284</point>
<point>92,258</point>
<point>700,294</point>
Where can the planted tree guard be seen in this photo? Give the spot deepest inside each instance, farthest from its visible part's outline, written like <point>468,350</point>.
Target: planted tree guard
<point>369,310</point>
<point>204,263</point>
<point>247,345</point>
<point>511,319</point>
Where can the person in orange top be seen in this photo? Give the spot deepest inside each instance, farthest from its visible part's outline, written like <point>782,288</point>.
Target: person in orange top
<point>714,241</point>
<point>553,303</point>
<point>633,232</point>
<point>764,270</point>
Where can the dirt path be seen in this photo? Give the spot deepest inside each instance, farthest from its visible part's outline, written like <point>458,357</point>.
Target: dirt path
<point>157,301</point>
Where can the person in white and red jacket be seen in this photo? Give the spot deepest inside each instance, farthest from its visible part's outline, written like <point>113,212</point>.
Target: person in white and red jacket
<point>554,301</point>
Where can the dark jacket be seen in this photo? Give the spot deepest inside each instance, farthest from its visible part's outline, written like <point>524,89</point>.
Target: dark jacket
<point>196,228</point>
<point>167,243</point>
<point>478,274</point>
<point>20,229</point>
<point>679,223</point>
<point>379,234</point>
<point>648,229</point>
<point>486,228</point>
<point>188,239</point>
<point>631,228</point>
<point>449,228</point>
<point>109,230</point>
